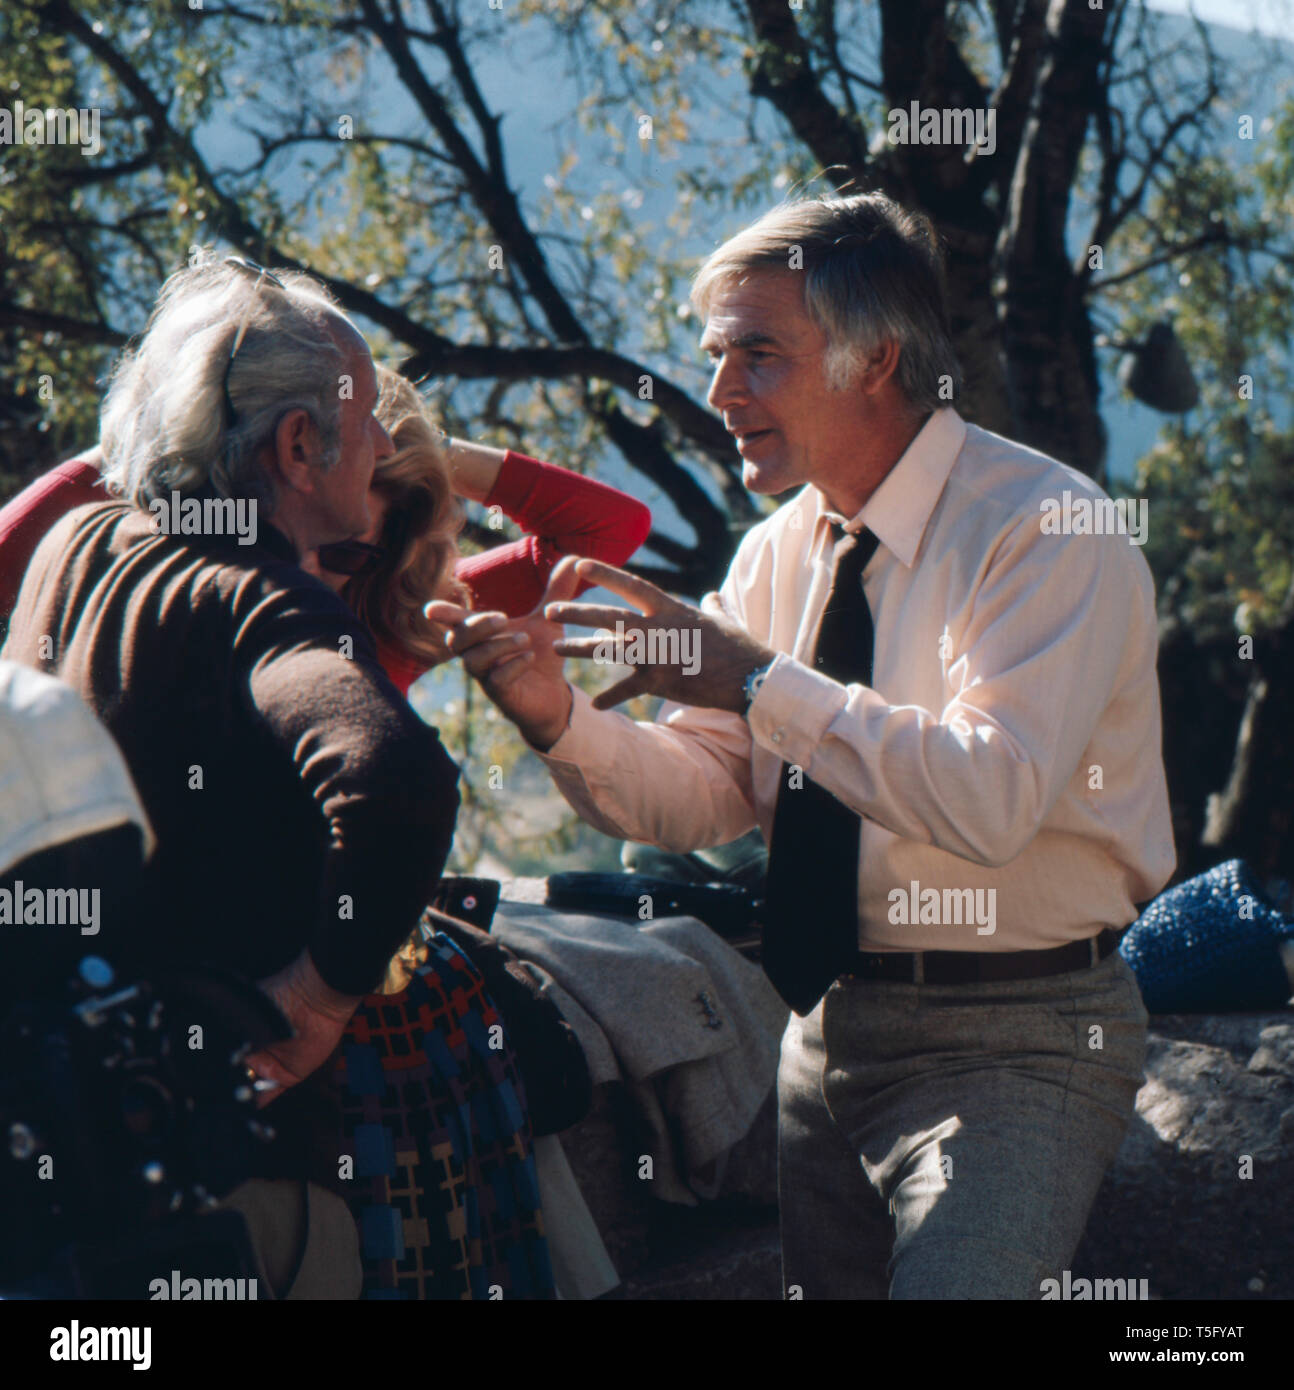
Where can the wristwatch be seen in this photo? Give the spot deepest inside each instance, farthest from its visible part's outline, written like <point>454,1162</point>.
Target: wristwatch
<point>753,681</point>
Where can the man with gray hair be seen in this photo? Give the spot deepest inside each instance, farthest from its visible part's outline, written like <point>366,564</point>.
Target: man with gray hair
<point>944,719</point>
<point>303,810</point>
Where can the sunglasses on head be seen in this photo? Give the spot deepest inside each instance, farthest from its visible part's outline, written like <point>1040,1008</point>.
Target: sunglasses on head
<point>350,557</point>
<point>259,275</point>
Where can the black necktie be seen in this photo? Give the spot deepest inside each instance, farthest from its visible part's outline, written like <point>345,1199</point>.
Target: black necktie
<point>811,898</point>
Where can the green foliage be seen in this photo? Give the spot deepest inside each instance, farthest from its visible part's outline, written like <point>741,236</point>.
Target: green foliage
<point>1221,479</point>
<point>283,128</point>
<point>511,819</point>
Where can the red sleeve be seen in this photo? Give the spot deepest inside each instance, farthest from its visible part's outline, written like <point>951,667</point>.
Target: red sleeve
<point>402,667</point>
<point>25,519</point>
<point>565,514</point>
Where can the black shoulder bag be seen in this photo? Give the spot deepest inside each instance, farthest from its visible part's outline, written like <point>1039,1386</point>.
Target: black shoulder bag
<point>554,1071</point>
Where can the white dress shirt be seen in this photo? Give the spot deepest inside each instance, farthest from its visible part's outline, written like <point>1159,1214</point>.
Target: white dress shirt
<point>1009,743</point>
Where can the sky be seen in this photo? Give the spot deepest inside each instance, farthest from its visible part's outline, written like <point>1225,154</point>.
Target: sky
<point>1273,17</point>
<point>531,95</point>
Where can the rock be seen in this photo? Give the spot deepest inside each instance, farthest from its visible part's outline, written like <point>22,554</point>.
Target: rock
<point>601,1152</point>
<point>1275,1054</point>
<point>641,1232</point>
<point>1198,1201</point>
<point>744,1263</point>
<point>1174,1209</point>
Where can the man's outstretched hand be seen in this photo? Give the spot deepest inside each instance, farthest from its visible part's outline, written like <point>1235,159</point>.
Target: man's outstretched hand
<point>514,659</point>
<point>676,651</point>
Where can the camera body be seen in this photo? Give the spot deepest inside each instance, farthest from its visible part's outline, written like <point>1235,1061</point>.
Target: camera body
<point>126,1113</point>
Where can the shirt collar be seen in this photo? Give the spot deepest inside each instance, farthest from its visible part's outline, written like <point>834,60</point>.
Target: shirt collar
<point>268,536</point>
<point>277,543</point>
<point>900,508</point>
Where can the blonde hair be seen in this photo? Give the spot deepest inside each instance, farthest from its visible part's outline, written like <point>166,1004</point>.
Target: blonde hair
<point>423,519</point>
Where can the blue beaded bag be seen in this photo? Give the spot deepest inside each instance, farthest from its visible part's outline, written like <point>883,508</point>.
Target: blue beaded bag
<point>1212,945</point>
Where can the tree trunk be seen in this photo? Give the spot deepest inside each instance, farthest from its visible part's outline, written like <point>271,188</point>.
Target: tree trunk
<point>1202,700</point>
<point>1051,370</point>
<point>1253,815</point>
<point>972,312</point>
<point>1047,335</point>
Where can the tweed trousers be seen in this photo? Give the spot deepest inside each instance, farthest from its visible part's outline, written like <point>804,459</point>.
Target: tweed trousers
<point>947,1141</point>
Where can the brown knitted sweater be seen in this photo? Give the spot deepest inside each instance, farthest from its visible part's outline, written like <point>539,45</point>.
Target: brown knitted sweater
<point>297,799</point>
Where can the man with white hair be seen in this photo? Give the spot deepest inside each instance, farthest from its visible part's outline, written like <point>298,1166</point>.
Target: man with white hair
<point>303,811</point>
<point>945,720</point>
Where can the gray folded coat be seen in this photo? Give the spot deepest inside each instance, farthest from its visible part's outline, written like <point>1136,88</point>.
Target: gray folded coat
<point>692,1027</point>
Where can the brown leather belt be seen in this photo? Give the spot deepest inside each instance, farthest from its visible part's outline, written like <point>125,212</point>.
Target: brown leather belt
<point>981,967</point>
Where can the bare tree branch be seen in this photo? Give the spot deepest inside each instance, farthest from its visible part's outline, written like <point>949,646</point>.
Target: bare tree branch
<point>1011,99</point>
<point>1215,236</point>
<point>75,330</point>
<point>1111,213</point>
<point>783,73</point>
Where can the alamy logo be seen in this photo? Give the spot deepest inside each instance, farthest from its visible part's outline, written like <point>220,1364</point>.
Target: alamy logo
<point>1094,516</point>
<point>943,125</point>
<point>1083,1290</point>
<point>954,907</point>
<point>661,646</point>
<point>77,1343</point>
<point>50,907</point>
<point>51,125</point>
<point>186,1290</point>
<point>206,516</point>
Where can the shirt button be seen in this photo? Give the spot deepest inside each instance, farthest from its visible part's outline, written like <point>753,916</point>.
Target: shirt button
<point>776,735</point>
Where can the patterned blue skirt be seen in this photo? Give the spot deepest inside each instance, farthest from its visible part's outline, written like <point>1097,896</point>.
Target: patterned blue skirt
<point>444,1189</point>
